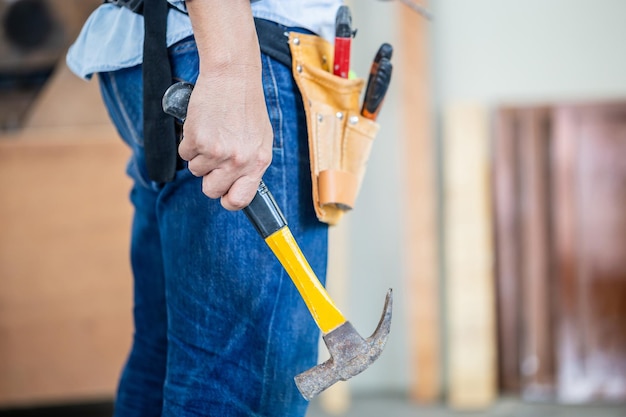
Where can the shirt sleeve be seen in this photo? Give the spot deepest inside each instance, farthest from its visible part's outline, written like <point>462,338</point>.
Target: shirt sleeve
<point>179,4</point>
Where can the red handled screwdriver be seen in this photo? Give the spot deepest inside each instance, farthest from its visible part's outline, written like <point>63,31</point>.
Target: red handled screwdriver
<point>343,40</point>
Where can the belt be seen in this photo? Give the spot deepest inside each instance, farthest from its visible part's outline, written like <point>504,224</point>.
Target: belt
<point>274,40</point>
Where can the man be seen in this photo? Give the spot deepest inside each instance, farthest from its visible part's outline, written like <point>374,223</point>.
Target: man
<point>219,328</point>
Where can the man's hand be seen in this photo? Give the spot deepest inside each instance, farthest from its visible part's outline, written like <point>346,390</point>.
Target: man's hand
<point>227,134</point>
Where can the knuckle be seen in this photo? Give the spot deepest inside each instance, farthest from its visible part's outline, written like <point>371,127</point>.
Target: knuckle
<point>184,150</point>
<point>204,150</point>
<point>194,168</point>
<point>264,159</point>
<point>209,189</point>
<point>238,161</point>
<point>234,202</point>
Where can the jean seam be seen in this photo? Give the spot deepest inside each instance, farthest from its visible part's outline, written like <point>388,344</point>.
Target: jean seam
<point>123,112</point>
<point>268,350</point>
<point>111,89</point>
<point>275,104</point>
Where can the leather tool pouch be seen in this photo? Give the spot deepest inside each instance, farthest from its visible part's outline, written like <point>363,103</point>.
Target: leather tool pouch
<point>340,139</point>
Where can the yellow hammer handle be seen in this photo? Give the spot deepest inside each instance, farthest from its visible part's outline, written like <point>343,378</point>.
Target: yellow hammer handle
<point>324,312</point>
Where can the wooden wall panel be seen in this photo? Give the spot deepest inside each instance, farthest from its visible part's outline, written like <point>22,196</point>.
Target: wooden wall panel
<point>536,347</point>
<point>421,237</point>
<point>67,100</point>
<point>589,181</point>
<point>468,258</point>
<point>561,246</point>
<point>507,231</point>
<point>65,281</point>
<point>524,261</point>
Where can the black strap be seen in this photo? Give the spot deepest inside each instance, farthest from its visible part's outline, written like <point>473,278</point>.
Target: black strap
<point>158,127</point>
<point>273,40</point>
<point>134,5</point>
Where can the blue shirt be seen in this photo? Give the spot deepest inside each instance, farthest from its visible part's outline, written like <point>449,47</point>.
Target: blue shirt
<point>112,36</point>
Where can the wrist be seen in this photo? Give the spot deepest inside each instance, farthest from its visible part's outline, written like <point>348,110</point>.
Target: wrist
<point>225,33</point>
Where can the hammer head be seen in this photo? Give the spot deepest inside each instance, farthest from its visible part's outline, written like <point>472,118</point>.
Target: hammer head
<point>350,354</point>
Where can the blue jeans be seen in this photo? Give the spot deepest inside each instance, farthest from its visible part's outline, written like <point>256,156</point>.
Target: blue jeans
<point>220,330</point>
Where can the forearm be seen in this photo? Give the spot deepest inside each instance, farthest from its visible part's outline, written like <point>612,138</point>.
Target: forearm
<point>227,134</point>
<point>225,34</point>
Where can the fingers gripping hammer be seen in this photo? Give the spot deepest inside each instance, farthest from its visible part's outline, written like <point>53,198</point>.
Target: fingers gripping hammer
<point>350,354</point>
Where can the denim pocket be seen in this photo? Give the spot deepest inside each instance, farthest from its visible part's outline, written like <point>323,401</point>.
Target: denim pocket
<point>122,96</point>
<point>272,78</point>
<point>184,60</point>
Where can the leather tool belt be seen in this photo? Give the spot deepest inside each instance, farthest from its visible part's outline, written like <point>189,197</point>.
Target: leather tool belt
<point>340,138</point>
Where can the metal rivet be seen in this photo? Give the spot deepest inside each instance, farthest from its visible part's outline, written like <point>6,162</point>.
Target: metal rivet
<point>353,120</point>
<point>296,41</point>
<point>299,68</point>
<point>339,115</point>
<point>320,118</point>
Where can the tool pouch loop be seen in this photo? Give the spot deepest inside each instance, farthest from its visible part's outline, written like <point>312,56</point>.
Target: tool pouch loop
<point>340,139</point>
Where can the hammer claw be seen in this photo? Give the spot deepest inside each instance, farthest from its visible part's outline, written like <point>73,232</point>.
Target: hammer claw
<point>350,354</point>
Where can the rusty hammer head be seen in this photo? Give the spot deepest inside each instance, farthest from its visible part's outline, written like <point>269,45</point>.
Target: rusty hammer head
<point>350,354</point>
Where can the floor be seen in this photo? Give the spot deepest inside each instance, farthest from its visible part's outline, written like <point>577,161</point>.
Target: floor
<point>372,406</point>
<point>396,406</point>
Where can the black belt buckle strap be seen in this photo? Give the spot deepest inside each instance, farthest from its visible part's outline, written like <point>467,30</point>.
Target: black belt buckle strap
<point>273,40</point>
<point>159,130</point>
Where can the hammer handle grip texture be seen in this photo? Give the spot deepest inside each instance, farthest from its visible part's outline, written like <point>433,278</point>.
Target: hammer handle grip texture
<point>264,213</point>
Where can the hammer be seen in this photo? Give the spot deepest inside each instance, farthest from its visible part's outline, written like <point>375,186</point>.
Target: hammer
<point>350,354</point>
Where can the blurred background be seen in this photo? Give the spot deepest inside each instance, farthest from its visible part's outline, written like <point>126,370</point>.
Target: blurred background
<point>492,205</point>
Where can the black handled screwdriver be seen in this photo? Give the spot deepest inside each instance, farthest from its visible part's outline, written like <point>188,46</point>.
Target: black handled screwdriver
<point>377,86</point>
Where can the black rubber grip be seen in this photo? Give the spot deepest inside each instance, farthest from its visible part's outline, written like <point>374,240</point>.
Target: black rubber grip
<point>264,213</point>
